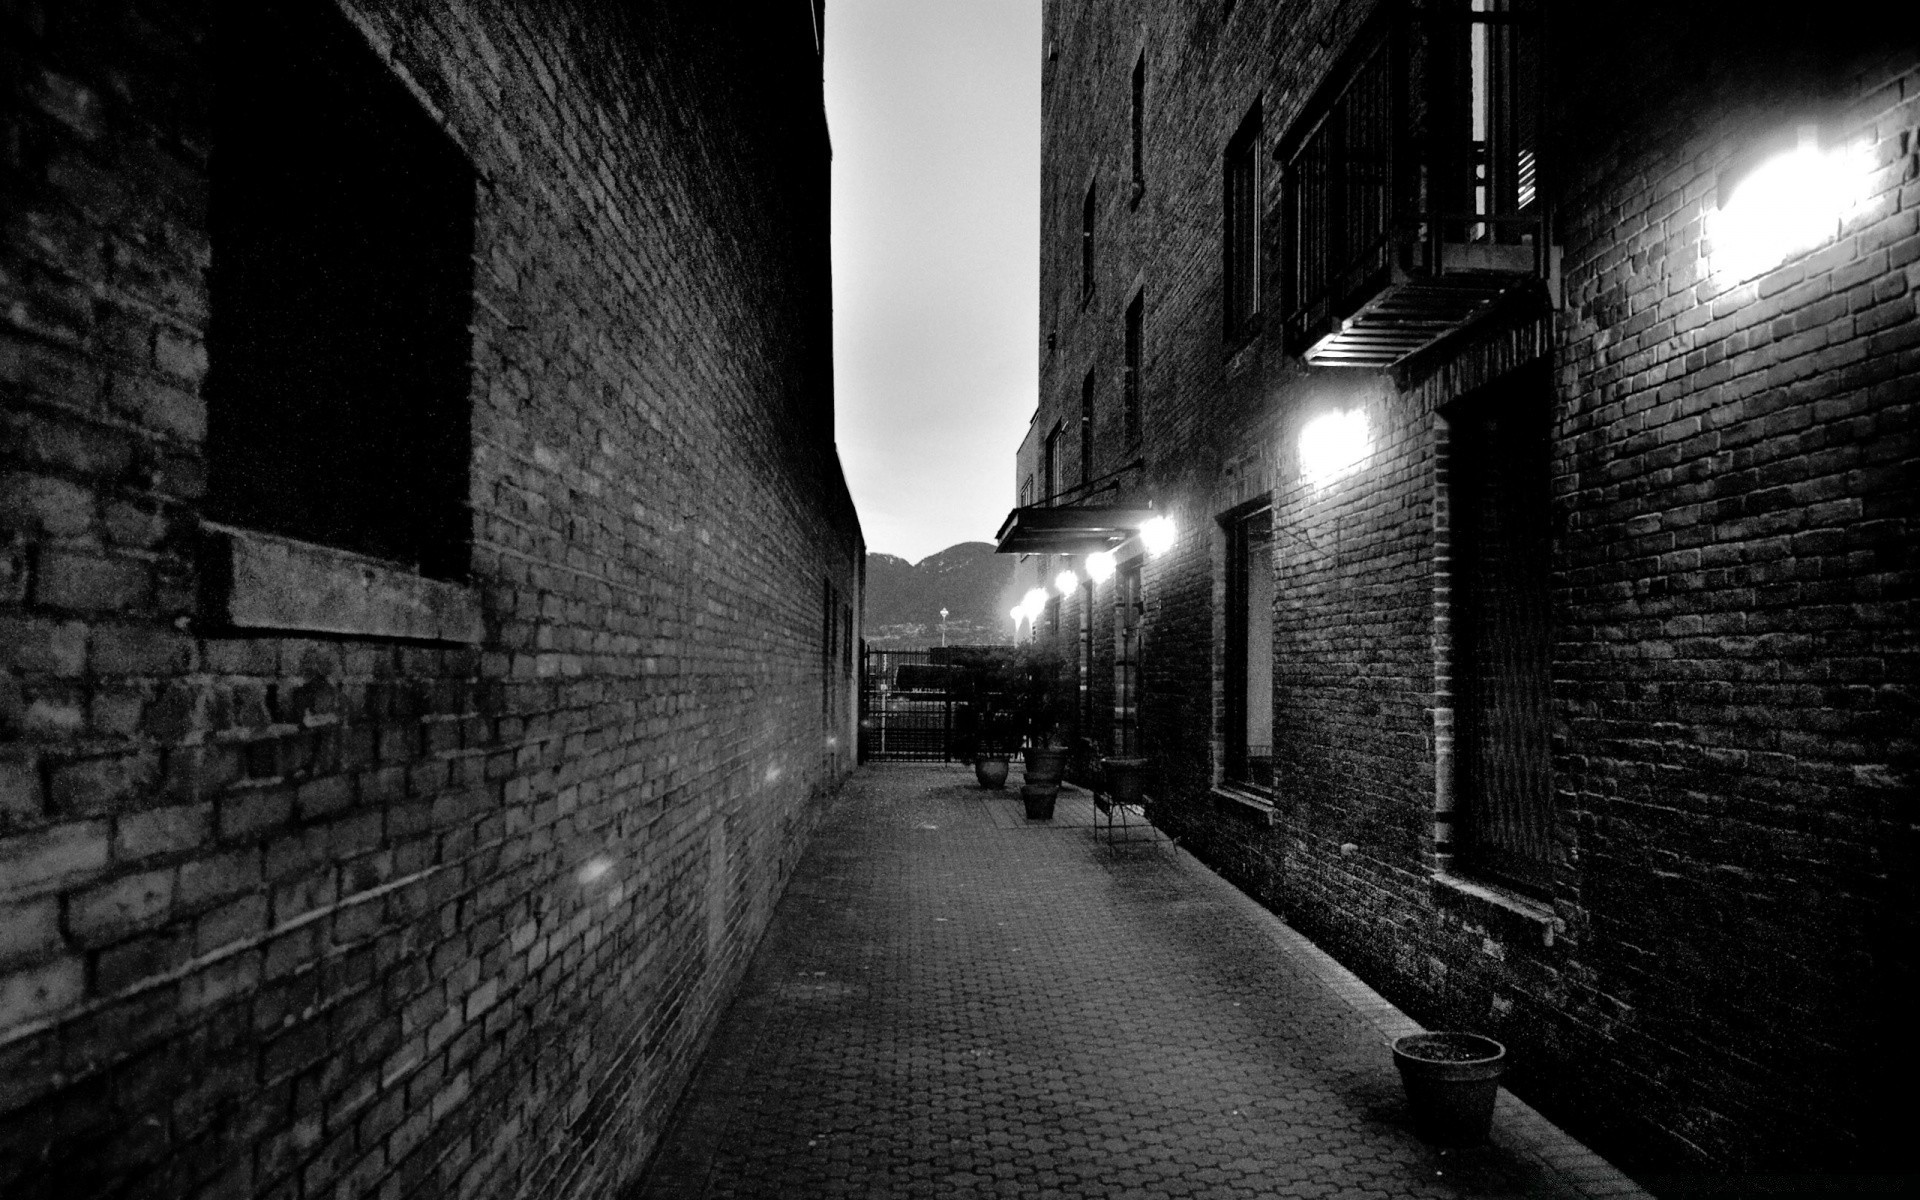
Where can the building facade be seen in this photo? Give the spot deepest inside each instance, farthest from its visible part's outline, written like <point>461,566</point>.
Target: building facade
<point>428,592</point>
<point>1531,392</point>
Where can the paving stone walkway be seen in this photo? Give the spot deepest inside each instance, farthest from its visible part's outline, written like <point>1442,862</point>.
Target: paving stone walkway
<point>954,1002</point>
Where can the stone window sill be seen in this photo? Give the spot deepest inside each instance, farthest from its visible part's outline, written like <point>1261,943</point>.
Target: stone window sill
<point>261,581</point>
<point>1246,803</point>
<point>1497,905</point>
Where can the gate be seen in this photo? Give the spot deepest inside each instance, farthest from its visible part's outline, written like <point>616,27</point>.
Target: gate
<point>908,706</point>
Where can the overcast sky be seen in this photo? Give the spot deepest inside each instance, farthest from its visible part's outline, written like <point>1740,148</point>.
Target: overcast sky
<point>934,107</point>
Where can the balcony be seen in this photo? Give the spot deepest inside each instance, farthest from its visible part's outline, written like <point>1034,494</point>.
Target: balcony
<point>1412,204</point>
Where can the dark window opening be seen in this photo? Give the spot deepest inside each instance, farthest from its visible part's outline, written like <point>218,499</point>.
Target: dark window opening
<point>1139,125</point>
<point>1484,85</point>
<point>1126,661</point>
<point>1241,224</point>
<point>1500,530</point>
<point>341,291</point>
<point>829,655</point>
<point>1248,717</point>
<point>1086,429</point>
<point>1086,244</point>
<point>1052,476</point>
<point>1131,397</point>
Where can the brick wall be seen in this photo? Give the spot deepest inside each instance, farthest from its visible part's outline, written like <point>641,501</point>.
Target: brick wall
<point>336,914</point>
<point>1710,980</point>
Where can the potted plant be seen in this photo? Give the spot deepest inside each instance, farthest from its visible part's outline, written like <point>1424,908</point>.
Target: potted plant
<point>1451,1080</point>
<point>1126,782</point>
<point>990,761</point>
<point>1046,761</point>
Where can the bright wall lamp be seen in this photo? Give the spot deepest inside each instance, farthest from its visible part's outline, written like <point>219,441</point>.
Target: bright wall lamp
<point>1784,195</point>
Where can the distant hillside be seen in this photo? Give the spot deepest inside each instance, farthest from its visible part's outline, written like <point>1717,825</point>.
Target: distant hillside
<point>969,580</point>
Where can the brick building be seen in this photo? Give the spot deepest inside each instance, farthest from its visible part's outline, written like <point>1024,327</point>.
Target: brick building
<point>1531,391</point>
<point>427,587</point>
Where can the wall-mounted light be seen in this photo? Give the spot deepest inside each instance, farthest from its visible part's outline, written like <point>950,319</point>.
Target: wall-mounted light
<point>1158,534</point>
<point>1035,603</point>
<point>1781,200</point>
<point>1065,582</point>
<point>1100,565</point>
<point>1333,444</point>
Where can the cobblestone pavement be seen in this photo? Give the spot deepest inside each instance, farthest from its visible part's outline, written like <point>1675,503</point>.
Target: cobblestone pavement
<point>954,1002</point>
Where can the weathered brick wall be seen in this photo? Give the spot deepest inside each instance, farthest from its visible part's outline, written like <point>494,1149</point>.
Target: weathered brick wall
<point>295,915</point>
<point>1730,927</point>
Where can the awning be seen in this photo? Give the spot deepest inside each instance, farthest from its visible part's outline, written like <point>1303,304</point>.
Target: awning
<point>1038,529</point>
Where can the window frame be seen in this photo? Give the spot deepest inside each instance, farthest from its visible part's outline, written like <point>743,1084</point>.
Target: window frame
<point>1132,418</point>
<point>308,340</point>
<point>1086,428</point>
<point>1241,225</point>
<point>1089,213</point>
<point>1505,839</point>
<point>1050,464</point>
<point>1239,641</point>
<point>1139,122</point>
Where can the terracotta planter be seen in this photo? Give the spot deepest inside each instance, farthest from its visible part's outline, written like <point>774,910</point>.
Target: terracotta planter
<point>990,770</point>
<point>1045,766</point>
<point>1451,1080</point>
<point>1039,801</point>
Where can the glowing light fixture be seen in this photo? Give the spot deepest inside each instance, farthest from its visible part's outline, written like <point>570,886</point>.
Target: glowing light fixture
<point>1065,582</point>
<point>1333,444</point>
<point>1158,534</point>
<point>1100,565</point>
<point>1793,201</point>
<point>1035,603</point>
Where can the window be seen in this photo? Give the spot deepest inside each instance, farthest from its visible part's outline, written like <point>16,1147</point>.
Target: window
<point>1086,245</point>
<point>1500,534</point>
<point>1026,491</point>
<point>1052,477</point>
<point>1492,94</point>
<point>341,291</point>
<point>1248,715</point>
<point>1126,660</point>
<point>1241,274</point>
<point>1086,429</point>
<point>1139,126</point>
<point>1416,159</point>
<point>1131,392</point>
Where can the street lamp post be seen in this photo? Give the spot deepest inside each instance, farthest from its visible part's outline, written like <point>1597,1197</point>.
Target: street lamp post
<point>943,628</point>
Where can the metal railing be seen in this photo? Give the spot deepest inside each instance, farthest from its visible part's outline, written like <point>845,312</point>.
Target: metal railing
<point>1423,142</point>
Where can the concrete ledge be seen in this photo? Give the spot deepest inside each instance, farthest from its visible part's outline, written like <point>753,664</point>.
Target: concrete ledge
<point>1500,907</point>
<point>266,582</point>
<point>1246,805</point>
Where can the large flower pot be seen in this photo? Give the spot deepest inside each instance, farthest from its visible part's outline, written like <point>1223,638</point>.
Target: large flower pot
<point>1045,766</point>
<point>1039,801</point>
<point>1126,779</point>
<point>1451,1079</point>
<point>990,770</point>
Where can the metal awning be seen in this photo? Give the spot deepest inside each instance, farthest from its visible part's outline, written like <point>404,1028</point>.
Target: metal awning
<point>1068,529</point>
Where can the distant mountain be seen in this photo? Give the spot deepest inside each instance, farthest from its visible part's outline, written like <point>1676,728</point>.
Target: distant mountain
<point>969,580</point>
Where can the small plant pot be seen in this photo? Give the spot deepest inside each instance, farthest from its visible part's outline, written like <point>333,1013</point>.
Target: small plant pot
<point>1045,765</point>
<point>1451,1080</point>
<point>1039,801</point>
<point>990,770</point>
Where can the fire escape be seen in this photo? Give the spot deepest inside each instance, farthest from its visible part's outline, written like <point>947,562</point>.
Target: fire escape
<point>1412,201</point>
